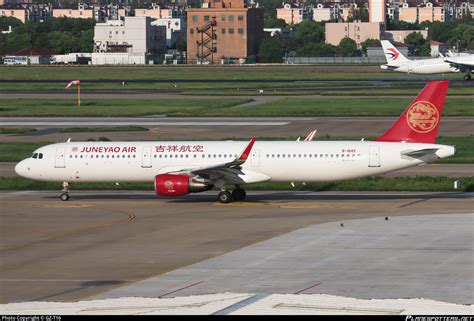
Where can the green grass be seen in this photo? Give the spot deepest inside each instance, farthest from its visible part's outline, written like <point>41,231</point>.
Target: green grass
<point>114,107</point>
<point>193,72</point>
<point>104,129</point>
<point>19,130</point>
<point>365,106</point>
<point>16,151</point>
<point>88,87</point>
<point>412,184</point>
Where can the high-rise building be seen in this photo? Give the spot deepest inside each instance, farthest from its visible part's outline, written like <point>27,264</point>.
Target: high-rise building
<point>377,11</point>
<point>223,29</point>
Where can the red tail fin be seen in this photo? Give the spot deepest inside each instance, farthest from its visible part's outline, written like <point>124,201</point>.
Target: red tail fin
<point>419,123</point>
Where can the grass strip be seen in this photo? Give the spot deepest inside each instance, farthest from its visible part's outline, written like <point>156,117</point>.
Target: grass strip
<point>18,130</point>
<point>104,129</point>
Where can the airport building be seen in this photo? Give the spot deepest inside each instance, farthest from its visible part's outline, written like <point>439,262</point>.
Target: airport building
<point>294,13</point>
<point>175,30</point>
<point>357,31</point>
<point>223,30</point>
<point>121,42</point>
<point>337,12</point>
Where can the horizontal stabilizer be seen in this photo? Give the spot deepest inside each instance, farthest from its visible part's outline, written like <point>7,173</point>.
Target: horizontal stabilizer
<point>420,152</point>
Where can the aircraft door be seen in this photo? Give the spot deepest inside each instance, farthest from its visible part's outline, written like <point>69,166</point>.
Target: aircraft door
<point>146,157</point>
<point>255,158</point>
<point>60,161</point>
<point>374,156</point>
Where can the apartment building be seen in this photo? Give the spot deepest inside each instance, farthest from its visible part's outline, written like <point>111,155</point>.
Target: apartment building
<point>223,29</point>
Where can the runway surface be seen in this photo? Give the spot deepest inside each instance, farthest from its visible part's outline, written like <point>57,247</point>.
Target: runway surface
<point>365,259</point>
<point>100,241</point>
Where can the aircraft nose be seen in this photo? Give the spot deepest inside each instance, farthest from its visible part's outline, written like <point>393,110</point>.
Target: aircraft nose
<point>21,168</point>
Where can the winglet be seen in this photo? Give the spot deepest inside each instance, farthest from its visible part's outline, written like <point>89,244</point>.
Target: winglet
<point>311,135</point>
<point>243,157</point>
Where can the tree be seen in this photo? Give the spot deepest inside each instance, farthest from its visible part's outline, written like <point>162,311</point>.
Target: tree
<point>369,43</point>
<point>347,47</point>
<point>271,22</point>
<point>417,40</point>
<point>272,49</point>
<point>307,32</point>
<point>360,13</point>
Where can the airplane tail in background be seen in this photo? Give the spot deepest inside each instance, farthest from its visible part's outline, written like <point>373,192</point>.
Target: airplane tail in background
<point>419,123</point>
<point>392,55</point>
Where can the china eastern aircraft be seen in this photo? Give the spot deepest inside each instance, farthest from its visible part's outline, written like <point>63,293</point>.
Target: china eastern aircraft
<point>180,168</point>
<point>398,62</point>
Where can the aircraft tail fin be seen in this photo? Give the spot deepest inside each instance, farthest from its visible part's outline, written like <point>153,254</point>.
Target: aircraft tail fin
<point>419,123</point>
<point>392,55</point>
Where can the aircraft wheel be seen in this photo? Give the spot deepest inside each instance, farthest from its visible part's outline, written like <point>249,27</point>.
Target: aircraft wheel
<point>225,197</point>
<point>238,194</point>
<point>467,77</point>
<point>64,196</point>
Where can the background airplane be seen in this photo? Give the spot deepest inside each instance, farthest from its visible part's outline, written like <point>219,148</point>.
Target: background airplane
<point>396,61</point>
<point>179,168</point>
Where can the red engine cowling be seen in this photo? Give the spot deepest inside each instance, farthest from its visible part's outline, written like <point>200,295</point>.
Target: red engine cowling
<point>177,185</point>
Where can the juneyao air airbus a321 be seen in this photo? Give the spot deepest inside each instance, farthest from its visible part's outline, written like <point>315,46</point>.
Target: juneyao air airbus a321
<point>179,168</point>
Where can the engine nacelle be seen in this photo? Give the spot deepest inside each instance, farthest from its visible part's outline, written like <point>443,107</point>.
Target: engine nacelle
<point>177,185</point>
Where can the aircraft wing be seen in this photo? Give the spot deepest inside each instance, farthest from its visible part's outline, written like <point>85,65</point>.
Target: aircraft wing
<point>461,65</point>
<point>229,170</point>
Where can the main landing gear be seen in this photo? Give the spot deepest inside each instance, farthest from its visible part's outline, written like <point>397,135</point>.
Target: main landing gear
<point>65,192</point>
<point>238,194</point>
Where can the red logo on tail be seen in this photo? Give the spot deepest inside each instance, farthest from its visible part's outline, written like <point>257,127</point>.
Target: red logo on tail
<point>422,117</point>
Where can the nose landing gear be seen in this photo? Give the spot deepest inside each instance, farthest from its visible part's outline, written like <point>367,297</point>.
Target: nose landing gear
<point>467,76</point>
<point>65,192</point>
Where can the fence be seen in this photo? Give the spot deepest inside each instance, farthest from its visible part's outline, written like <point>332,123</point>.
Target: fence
<point>334,60</point>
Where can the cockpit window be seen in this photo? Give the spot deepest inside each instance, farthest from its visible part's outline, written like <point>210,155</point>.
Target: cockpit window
<point>37,156</point>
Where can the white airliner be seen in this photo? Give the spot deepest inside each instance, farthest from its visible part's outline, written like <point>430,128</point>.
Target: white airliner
<point>398,62</point>
<point>179,168</point>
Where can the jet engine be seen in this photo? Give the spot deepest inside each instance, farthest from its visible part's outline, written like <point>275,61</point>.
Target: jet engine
<point>177,185</point>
